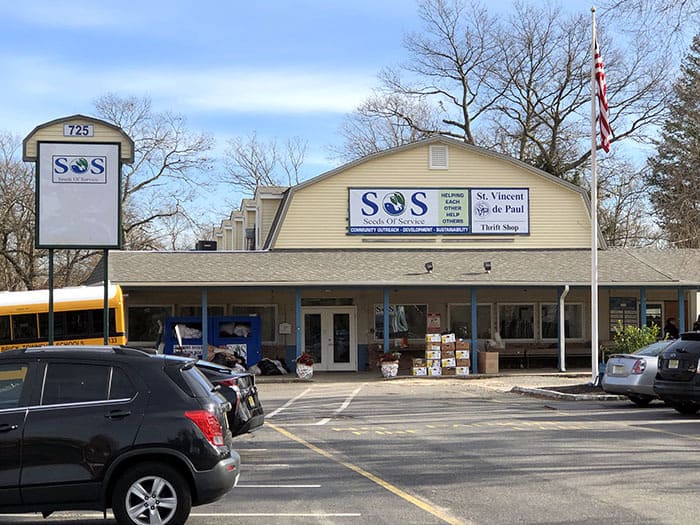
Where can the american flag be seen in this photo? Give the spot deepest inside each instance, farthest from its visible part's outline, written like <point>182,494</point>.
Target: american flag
<point>601,93</point>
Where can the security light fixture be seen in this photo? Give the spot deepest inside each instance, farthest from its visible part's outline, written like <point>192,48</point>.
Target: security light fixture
<point>429,267</point>
<point>487,266</point>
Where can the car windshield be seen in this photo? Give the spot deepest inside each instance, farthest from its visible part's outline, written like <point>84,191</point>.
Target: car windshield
<point>654,349</point>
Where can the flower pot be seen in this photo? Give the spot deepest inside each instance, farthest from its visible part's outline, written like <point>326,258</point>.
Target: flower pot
<point>304,371</point>
<point>389,368</point>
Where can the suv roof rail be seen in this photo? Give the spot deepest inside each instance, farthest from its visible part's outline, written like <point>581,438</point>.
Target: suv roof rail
<point>66,348</point>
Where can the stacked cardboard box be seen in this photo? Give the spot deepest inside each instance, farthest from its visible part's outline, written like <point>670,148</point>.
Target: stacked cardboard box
<point>445,355</point>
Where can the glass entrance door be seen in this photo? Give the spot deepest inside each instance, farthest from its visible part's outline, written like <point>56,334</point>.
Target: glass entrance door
<point>329,335</point>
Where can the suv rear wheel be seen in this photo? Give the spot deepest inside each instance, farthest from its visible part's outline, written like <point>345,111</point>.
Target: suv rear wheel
<point>151,493</point>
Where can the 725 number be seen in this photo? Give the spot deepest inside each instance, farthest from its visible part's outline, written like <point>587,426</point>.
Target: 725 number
<point>78,130</point>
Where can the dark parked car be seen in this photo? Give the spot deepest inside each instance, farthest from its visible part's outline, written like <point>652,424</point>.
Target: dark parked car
<point>111,427</point>
<point>240,389</point>
<point>677,380</point>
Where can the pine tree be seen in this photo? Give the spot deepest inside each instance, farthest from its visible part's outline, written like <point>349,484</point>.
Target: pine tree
<point>675,170</point>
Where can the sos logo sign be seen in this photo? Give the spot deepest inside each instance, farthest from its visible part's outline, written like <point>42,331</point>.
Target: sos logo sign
<point>79,169</point>
<point>394,203</point>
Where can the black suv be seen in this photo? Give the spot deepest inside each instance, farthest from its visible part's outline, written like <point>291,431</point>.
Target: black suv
<point>111,427</point>
<point>677,380</point>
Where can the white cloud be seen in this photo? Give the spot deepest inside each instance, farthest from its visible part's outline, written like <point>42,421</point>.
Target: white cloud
<point>237,90</point>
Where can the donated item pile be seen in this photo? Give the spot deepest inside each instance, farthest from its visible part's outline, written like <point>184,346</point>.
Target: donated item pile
<point>445,355</point>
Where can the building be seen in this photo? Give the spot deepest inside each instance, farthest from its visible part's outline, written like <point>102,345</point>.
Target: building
<point>436,232</point>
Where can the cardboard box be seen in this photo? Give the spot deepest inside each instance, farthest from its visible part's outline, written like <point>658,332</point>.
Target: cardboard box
<point>433,338</point>
<point>446,354</point>
<point>435,371</point>
<point>449,363</point>
<point>487,362</point>
<point>432,363</point>
<point>462,371</point>
<point>419,371</point>
<point>462,344</point>
<point>449,371</point>
<point>447,347</point>
<point>433,354</point>
<point>462,362</point>
<point>433,347</point>
<point>462,354</point>
<point>448,338</point>
<point>419,361</point>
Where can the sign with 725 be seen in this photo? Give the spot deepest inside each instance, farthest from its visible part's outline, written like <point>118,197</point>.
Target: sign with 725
<point>78,130</point>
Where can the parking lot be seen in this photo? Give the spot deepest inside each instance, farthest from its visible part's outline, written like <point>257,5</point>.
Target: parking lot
<point>449,451</point>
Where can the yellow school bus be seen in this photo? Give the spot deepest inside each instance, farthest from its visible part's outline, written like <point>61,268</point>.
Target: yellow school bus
<point>78,317</point>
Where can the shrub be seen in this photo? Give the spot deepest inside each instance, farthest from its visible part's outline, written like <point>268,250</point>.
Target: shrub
<point>629,339</point>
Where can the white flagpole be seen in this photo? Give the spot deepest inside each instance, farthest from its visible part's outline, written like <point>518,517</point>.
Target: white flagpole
<point>594,216</point>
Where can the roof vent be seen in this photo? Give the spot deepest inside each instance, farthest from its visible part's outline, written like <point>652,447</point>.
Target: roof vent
<point>438,157</point>
<point>206,246</point>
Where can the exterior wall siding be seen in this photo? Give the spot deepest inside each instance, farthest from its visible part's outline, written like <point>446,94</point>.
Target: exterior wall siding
<point>559,217</point>
<point>54,133</point>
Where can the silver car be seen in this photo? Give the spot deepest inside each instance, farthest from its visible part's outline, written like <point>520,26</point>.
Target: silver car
<point>633,375</point>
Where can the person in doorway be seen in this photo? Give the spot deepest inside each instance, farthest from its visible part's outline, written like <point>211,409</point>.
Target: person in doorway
<point>696,325</point>
<point>670,329</point>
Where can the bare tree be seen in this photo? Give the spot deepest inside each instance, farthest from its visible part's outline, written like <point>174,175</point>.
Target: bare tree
<point>520,86</point>
<point>166,172</point>
<point>294,159</point>
<point>385,121</point>
<point>625,211</point>
<point>21,266</point>
<point>250,162</point>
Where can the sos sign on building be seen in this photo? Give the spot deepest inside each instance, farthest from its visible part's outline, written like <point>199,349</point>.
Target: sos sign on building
<point>78,189</point>
<point>442,211</point>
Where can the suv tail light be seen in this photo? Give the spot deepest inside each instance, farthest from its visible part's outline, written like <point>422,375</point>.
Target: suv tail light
<point>640,365</point>
<point>208,424</point>
<point>228,382</point>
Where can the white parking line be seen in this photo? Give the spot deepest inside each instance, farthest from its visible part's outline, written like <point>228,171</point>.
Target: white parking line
<point>287,404</point>
<point>277,514</point>
<point>278,486</point>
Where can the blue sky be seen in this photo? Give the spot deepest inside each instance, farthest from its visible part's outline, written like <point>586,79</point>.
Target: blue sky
<point>281,68</point>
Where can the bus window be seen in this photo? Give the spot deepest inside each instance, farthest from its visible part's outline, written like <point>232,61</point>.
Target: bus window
<point>24,327</point>
<point>4,329</point>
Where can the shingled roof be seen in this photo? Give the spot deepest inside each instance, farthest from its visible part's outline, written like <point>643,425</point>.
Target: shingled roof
<point>617,267</point>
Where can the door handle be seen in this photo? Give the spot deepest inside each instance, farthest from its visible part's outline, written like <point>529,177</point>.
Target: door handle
<point>7,428</point>
<point>118,414</point>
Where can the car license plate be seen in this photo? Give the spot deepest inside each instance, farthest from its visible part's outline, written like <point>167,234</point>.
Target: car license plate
<point>673,363</point>
<point>618,369</point>
<point>251,402</point>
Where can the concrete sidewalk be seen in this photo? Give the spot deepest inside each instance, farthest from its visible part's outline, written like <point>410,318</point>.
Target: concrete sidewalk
<point>533,382</point>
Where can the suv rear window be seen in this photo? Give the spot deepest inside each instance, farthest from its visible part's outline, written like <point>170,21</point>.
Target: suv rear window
<point>197,381</point>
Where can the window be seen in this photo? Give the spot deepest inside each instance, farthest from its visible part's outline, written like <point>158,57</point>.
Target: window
<point>573,321</point>
<point>405,320</point>
<point>516,321</point>
<point>147,322</point>
<point>655,315</point>
<point>460,320</point>
<point>75,383</point>
<point>11,382</point>
<point>77,324</point>
<point>24,327</point>
<point>121,387</point>
<point>267,315</point>
<point>4,329</point>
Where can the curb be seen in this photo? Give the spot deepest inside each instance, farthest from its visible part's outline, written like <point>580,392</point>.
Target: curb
<point>552,394</point>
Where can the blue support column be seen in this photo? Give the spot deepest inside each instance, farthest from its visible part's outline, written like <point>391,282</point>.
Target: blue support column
<point>681,311</point>
<point>205,322</point>
<point>473,334</point>
<point>386,319</point>
<point>299,320</point>
<point>643,305</point>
